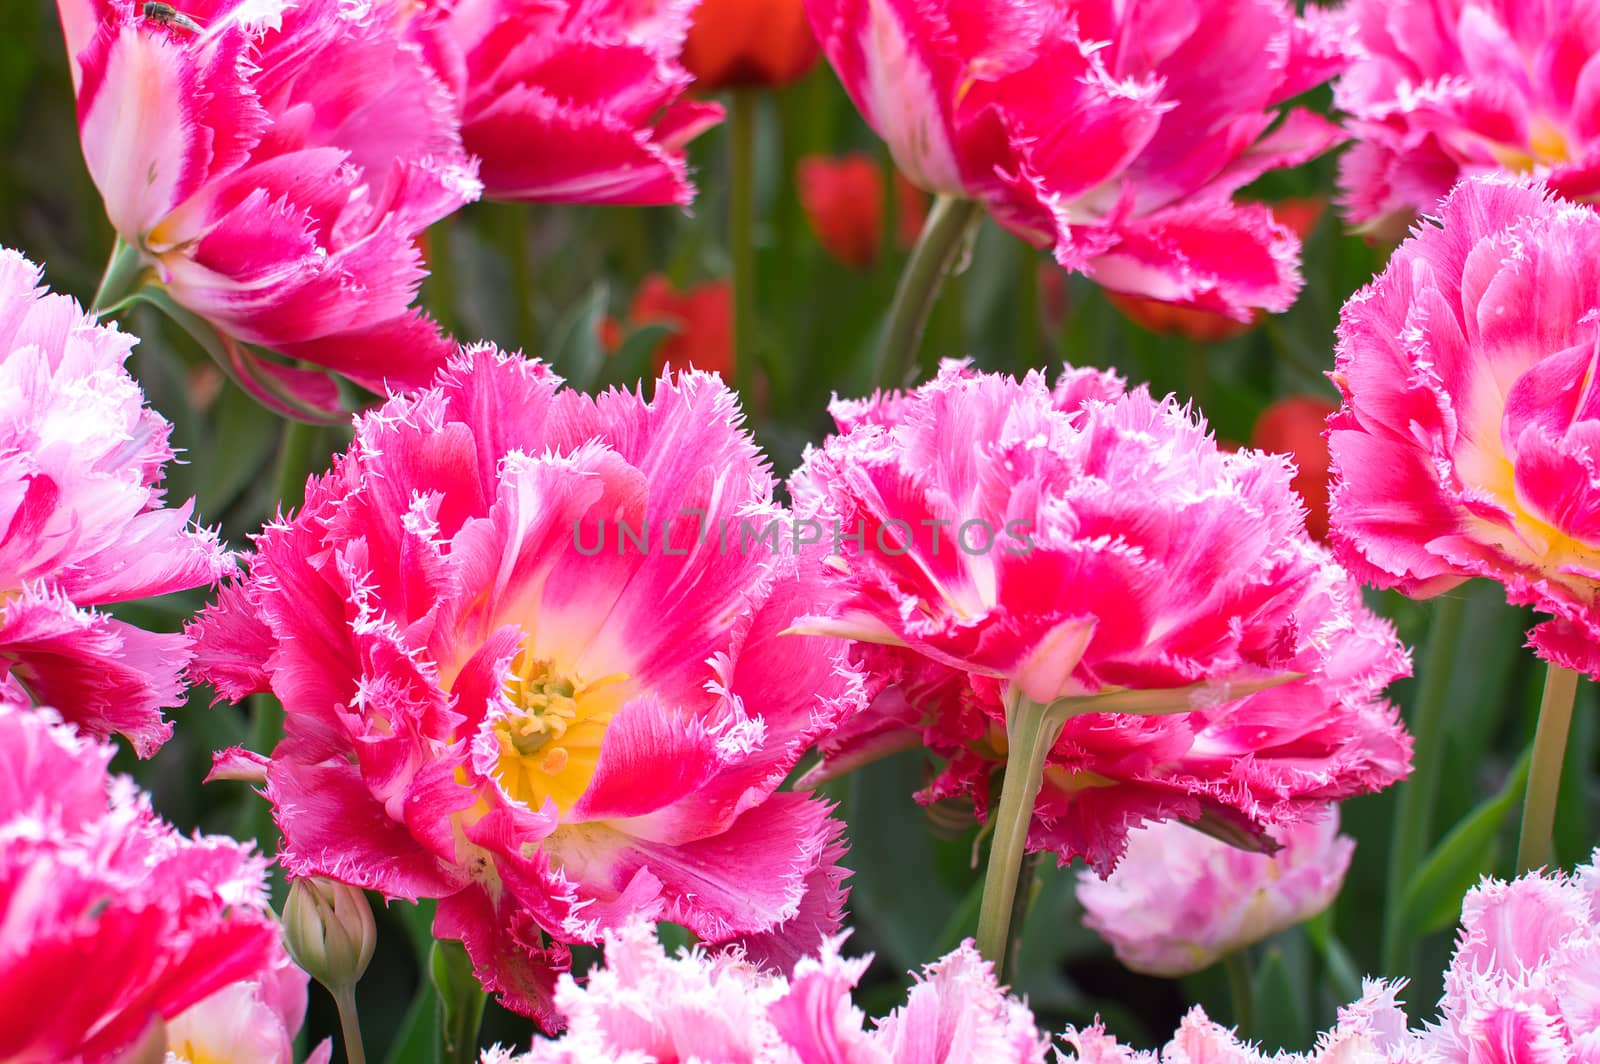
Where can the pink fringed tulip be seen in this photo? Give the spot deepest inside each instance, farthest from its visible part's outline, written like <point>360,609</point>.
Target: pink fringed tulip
<point>252,1022</point>
<point>1181,900</point>
<point>644,1005</point>
<point>575,101</point>
<point>1113,133</point>
<point>1370,1031</point>
<point>1443,89</point>
<point>1470,432</point>
<point>1523,976</point>
<point>81,519</point>
<point>528,647</point>
<point>113,921</point>
<point>271,165</point>
<point>1003,541</point>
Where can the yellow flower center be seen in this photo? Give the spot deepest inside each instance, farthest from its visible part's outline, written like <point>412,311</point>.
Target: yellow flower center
<point>550,746</point>
<point>187,1052</point>
<point>1482,463</point>
<point>1546,145</point>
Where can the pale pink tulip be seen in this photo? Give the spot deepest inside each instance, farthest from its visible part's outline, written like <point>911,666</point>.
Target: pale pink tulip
<point>82,520</point>
<point>645,1006</point>
<point>1181,900</point>
<point>1523,976</point>
<point>1372,1030</point>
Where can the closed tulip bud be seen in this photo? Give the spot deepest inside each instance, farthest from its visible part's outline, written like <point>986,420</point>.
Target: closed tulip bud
<point>329,931</point>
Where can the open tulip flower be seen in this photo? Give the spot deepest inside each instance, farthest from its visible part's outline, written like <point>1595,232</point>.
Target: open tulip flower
<point>499,695</point>
<point>1091,553</point>
<point>82,520</point>
<point>1466,443</point>
<point>1113,133</point>
<point>268,168</point>
<point>1444,89</point>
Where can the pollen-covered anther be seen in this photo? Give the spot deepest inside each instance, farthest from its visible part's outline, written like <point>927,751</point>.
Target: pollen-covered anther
<point>550,742</point>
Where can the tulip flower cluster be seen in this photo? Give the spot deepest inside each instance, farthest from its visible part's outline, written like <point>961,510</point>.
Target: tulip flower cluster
<point>567,654</point>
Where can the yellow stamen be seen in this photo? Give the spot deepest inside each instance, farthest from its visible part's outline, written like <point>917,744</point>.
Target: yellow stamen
<point>550,747</point>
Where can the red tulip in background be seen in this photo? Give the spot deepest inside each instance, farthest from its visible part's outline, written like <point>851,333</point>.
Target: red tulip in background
<point>739,43</point>
<point>1298,426</point>
<point>700,317</point>
<point>843,201</point>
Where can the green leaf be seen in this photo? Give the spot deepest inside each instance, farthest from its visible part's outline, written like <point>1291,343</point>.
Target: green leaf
<point>1280,994</point>
<point>577,353</point>
<point>461,1001</point>
<point>1342,972</point>
<point>898,894</point>
<point>1432,898</point>
<point>246,433</point>
<point>631,363</point>
<point>417,1041</point>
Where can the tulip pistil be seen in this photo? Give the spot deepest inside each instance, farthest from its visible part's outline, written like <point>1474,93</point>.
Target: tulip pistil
<point>550,742</point>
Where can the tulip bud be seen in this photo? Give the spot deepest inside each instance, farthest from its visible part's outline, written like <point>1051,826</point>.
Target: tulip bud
<point>329,931</point>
